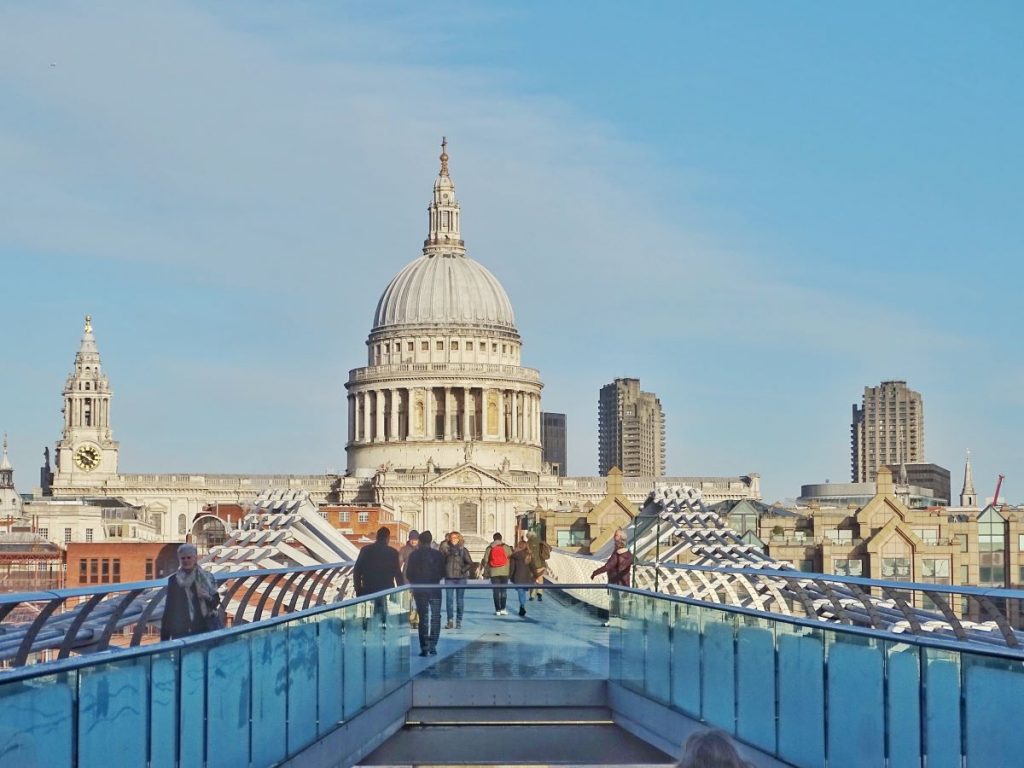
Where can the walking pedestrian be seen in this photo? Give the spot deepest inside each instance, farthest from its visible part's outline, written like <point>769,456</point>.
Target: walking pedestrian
<point>378,568</point>
<point>403,558</point>
<point>496,565</point>
<point>191,603</point>
<point>541,551</point>
<point>426,566</point>
<point>522,572</point>
<point>458,568</point>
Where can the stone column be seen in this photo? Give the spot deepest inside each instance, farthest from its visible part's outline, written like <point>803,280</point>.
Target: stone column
<point>393,433</point>
<point>428,413</point>
<point>467,395</point>
<point>351,418</point>
<point>536,421</point>
<point>515,416</point>
<point>447,413</point>
<point>379,399</point>
<point>365,437</point>
<point>501,416</point>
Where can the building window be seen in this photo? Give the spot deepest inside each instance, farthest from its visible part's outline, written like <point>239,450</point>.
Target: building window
<point>83,571</point>
<point>67,535</point>
<point>105,570</point>
<point>494,347</point>
<point>440,346</point>
<point>469,346</point>
<point>44,532</point>
<point>94,571</point>
<point>181,525</point>
<point>364,517</point>
<point>961,539</point>
<point>116,571</point>
<point>991,549</point>
<point>455,346</point>
<point>425,346</point>
<point>409,346</point>
<point>842,566</point>
<point>935,570</point>
<point>149,569</point>
<point>965,575</point>
<point>896,564</point>
<point>927,535</point>
<point>88,535</point>
<point>344,517</point>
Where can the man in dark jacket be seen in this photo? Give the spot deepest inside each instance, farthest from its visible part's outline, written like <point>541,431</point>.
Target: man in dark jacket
<point>426,566</point>
<point>376,569</point>
<point>458,567</point>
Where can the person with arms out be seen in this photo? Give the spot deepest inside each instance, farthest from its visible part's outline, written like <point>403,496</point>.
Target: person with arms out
<point>458,568</point>
<point>191,603</point>
<point>403,558</point>
<point>522,572</point>
<point>496,565</point>
<point>377,568</point>
<point>426,566</point>
<point>618,567</point>
<point>540,552</point>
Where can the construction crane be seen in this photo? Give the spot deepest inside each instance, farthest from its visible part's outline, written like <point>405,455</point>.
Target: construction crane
<point>999,485</point>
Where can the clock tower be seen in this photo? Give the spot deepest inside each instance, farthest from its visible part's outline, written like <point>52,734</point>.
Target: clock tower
<point>86,452</point>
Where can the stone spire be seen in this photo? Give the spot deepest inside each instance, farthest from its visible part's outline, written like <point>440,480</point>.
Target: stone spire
<point>5,463</point>
<point>443,238</point>
<point>968,497</point>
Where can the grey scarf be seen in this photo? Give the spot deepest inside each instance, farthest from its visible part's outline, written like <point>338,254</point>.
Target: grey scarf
<point>205,588</point>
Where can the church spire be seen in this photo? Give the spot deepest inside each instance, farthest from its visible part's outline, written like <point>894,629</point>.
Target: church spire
<point>5,462</point>
<point>968,497</point>
<point>443,238</point>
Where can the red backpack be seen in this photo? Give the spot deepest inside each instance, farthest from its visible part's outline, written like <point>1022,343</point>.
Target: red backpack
<point>499,557</point>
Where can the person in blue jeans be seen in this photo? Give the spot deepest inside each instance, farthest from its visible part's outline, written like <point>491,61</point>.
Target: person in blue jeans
<point>458,568</point>
<point>521,572</point>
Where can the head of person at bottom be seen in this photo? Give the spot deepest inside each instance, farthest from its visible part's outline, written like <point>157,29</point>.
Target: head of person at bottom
<point>414,537</point>
<point>710,749</point>
<point>383,535</point>
<point>496,537</point>
<point>454,538</point>
<point>426,538</point>
<point>187,555</point>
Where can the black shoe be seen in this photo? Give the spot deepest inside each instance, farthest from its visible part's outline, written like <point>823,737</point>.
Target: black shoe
<point>433,651</point>
<point>423,653</point>
<point>522,610</point>
<point>531,598</point>
<point>540,597</point>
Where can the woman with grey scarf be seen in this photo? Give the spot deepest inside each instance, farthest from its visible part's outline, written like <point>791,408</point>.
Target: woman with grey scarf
<point>192,599</point>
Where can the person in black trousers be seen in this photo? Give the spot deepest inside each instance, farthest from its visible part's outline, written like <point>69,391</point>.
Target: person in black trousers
<point>426,566</point>
<point>378,568</point>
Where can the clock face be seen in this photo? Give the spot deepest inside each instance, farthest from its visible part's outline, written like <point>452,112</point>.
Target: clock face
<point>87,457</point>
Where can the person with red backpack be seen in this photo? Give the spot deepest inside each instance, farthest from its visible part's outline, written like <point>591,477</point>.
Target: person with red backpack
<point>496,565</point>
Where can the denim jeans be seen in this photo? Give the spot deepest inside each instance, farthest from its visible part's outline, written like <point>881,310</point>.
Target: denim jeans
<point>500,595</point>
<point>454,599</point>
<point>428,604</point>
<point>521,593</point>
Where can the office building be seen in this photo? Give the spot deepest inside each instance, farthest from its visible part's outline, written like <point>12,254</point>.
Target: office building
<point>631,430</point>
<point>552,441</point>
<point>887,430</point>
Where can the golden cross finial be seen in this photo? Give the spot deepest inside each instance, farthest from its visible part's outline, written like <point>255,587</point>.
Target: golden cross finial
<point>88,323</point>
<point>444,155</point>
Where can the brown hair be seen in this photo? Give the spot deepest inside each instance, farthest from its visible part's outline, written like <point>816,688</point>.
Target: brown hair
<point>710,749</point>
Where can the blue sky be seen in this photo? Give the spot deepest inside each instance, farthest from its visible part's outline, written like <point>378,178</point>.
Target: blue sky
<point>757,209</point>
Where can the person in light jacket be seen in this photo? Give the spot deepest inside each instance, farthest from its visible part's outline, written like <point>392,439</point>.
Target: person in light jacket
<point>458,568</point>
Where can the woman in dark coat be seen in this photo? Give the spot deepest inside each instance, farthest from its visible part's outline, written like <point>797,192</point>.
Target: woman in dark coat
<point>522,572</point>
<point>191,603</point>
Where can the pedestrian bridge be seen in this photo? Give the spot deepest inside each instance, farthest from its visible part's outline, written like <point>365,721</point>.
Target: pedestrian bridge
<point>342,684</point>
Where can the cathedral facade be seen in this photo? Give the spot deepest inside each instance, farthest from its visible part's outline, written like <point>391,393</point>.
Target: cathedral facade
<point>443,420</point>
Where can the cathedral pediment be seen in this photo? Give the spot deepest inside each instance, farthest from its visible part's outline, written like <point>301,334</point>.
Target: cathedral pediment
<point>467,475</point>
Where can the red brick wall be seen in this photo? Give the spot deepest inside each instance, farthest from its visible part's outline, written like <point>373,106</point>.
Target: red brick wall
<point>119,562</point>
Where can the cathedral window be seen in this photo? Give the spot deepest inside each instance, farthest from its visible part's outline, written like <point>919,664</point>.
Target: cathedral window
<point>425,346</point>
<point>440,346</point>
<point>469,346</point>
<point>494,347</point>
<point>455,346</point>
<point>409,347</point>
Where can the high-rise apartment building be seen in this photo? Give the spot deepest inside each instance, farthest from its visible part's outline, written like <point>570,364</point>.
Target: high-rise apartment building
<point>887,429</point>
<point>552,441</point>
<point>631,430</point>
